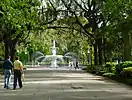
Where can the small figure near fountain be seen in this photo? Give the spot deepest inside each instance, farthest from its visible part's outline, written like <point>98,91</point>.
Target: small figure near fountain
<point>70,65</point>
<point>77,65</point>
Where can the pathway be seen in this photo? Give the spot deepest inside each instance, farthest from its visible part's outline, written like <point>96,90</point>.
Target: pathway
<point>53,84</point>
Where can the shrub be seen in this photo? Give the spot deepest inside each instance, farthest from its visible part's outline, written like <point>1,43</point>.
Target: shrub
<point>1,64</point>
<point>127,64</point>
<point>101,72</point>
<point>108,74</point>
<point>119,67</point>
<point>110,67</point>
<point>91,69</point>
<point>126,71</point>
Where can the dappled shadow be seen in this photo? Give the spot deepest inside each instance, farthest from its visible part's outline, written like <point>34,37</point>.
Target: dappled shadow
<point>66,85</point>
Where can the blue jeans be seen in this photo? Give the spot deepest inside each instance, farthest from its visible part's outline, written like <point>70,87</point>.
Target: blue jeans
<point>7,78</point>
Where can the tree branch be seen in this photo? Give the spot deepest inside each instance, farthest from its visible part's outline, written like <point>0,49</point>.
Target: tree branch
<point>84,4</point>
<point>52,5</point>
<point>49,22</point>
<point>79,5</point>
<point>77,20</point>
<point>56,27</point>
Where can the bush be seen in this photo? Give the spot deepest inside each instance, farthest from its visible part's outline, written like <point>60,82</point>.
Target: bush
<point>89,67</point>
<point>108,74</point>
<point>110,67</point>
<point>101,72</point>
<point>127,72</point>
<point>127,64</point>
<point>1,64</point>
<point>119,67</point>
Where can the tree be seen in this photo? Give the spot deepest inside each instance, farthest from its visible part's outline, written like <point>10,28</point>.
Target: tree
<point>91,11</point>
<point>18,18</point>
<point>119,13</point>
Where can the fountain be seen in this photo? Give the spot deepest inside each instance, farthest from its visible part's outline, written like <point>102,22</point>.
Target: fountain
<point>54,57</point>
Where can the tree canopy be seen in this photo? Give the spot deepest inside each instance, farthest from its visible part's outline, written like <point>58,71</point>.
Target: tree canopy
<point>102,25</point>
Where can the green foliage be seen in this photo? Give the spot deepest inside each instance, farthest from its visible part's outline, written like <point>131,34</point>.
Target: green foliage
<point>101,72</point>
<point>117,14</point>
<point>119,67</point>
<point>18,18</point>
<point>108,74</point>
<point>1,51</point>
<point>110,67</point>
<point>126,71</point>
<point>19,15</point>
<point>127,64</point>
<point>23,56</point>
<point>91,69</point>
<point>1,64</point>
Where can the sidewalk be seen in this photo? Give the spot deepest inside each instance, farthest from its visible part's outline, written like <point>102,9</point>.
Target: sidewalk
<point>50,84</point>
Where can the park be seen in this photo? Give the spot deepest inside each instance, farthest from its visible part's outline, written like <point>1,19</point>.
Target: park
<point>70,49</point>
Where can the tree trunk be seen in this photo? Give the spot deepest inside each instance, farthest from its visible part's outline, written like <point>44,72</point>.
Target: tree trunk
<point>10,49</point>
<point>7,49</point>
<point>100,51</point>
<point>104,50</point>
<point>127,47</point>
<point>95,53</point>
<point>13,51</point>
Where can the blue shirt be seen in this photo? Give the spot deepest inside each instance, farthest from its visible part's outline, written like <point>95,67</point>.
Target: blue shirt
<point>7,64</point>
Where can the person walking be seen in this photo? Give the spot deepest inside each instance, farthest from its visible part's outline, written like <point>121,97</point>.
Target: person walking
<point>77,65</point>
<point>8,66</point>
<point>18,71</point>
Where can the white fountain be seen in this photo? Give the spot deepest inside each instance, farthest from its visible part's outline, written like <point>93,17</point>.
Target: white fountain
<point>54,57</point>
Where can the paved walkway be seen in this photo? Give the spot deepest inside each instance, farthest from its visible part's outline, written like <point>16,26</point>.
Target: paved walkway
<point>47,84</point>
